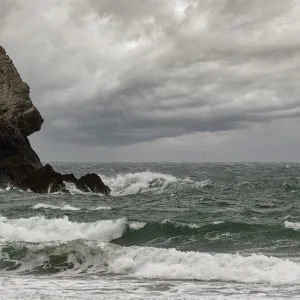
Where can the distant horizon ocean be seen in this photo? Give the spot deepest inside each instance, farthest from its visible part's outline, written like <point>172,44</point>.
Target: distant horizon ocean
<point>179,230</point>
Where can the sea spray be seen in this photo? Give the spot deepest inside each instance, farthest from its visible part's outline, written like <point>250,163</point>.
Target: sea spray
<point>133,183</point>
<point>145,182</point>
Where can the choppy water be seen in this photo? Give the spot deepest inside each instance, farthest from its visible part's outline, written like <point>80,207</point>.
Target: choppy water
<point>168,231</point>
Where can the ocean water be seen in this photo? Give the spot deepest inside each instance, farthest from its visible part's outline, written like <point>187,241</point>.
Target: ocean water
<point>167,231</point>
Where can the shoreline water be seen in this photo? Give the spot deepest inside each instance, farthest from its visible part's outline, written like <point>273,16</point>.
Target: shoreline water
<point>168,231</point>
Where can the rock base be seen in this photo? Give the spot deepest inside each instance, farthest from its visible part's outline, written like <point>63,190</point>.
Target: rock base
<point>47,180</point>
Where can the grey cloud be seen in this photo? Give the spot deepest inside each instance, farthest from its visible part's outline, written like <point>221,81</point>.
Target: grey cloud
<point>115,73</point>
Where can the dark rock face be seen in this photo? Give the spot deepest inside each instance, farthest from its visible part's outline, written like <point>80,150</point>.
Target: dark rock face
<point>15,103</point>
<point>19,118</point>
<point>92,182</point>
<point>45,180</point>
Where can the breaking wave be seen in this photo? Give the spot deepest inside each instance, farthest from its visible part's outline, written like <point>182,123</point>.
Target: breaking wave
<point>73,190</point>
<point>166,233</point>
<point>124,184</point>
<point>144,182</point>
<point>292,225</point>
<point>66,207</point>
<point>40,229</point>
<point>85,257</point>
<point>101,208</point>
<point>49,206</point>
<point>40,245</point>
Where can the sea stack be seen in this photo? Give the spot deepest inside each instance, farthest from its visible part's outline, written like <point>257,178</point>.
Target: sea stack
<point>19,118</point>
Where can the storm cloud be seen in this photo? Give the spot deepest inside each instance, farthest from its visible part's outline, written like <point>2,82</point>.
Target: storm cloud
<point>116,73</point>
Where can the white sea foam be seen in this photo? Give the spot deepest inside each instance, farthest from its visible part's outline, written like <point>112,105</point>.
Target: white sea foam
<point>71,187</point>
<point>101,208</point>
<point>292,225</point>
<point>216,235</point>
<point>40,229</point>
<point>66,207</point>
<point>203,183</point>
<point>181,224</point>
<point>218,222</point>
<point>173,264</point>
<point>143,182</point>
<point>137,225</point>
<point>169,264</point>
<point>49,206</point>
<point>133,183</point>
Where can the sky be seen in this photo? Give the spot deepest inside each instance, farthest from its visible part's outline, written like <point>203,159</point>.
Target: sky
<point>152,80</point>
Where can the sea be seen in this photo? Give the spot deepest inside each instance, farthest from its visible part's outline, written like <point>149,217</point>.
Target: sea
<point>167,231</point>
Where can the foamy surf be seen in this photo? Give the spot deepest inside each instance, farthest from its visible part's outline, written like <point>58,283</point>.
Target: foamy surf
<point>40,229</point>
<point>49,206</point>
<point>144,182</point>
<point>137,225</point>
<point>123,184</point>
<point>166,233</point>
<point>66,207</point>
<point>147,262</point>
<point>73,190</point>
<point>180,224</point>
<point>173,264</point>
<point>133,183</point>
<point>101,208</point>
<point>292,225</point>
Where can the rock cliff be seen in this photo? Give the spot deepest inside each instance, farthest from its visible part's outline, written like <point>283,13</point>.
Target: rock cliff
<point>19,118</point>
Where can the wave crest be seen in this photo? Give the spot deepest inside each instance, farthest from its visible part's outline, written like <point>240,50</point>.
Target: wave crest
<point>133,183</point>
<point>144,182</point>
<point>292,225</point>
<point>145,262</point>
<point>49,206</point>
<point>40,229</point>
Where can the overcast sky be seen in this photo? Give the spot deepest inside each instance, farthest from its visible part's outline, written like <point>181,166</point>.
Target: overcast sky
<point>153,80</point>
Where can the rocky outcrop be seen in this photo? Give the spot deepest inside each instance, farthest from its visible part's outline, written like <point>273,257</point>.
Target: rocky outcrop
<point>19,118</point>
<point>92,183</point>
<point>46,180</point>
